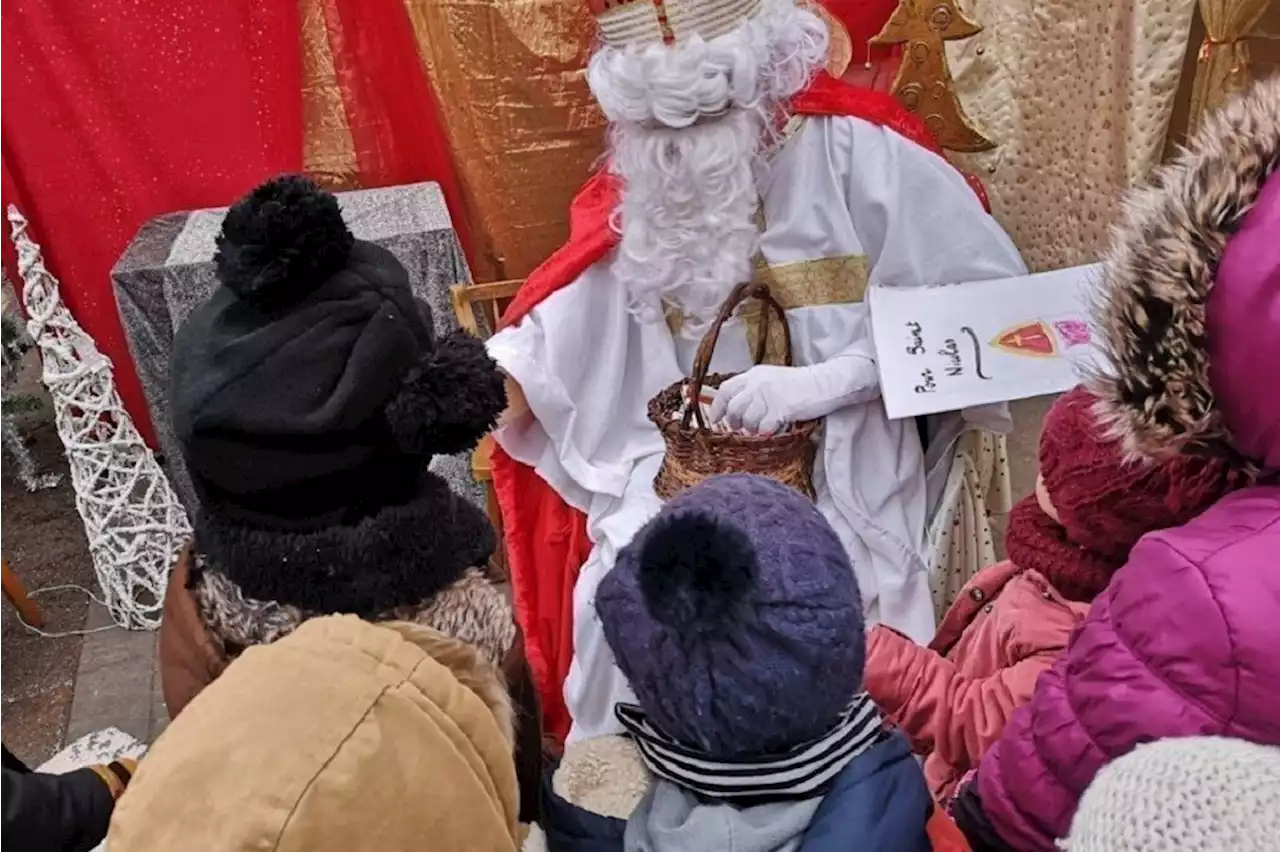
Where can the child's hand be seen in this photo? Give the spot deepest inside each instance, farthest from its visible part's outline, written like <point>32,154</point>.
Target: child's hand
<point>117,774</point>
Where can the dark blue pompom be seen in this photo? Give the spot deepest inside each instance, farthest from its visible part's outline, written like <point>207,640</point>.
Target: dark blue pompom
<point>696,571</point>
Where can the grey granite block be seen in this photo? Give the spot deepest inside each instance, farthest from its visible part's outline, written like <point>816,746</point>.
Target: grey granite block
<point>168,270</point>
<point>114,680</point>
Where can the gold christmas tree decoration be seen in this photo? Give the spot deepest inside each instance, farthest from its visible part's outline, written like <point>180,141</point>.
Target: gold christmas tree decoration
<point>924,82</point>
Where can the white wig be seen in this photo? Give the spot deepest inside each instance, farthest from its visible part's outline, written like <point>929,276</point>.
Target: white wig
<point>689,125</point>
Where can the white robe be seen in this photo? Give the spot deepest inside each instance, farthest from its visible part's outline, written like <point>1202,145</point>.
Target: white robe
<point>840,186</point>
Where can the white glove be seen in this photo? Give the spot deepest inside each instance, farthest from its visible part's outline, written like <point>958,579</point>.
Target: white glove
<point>766,398</point>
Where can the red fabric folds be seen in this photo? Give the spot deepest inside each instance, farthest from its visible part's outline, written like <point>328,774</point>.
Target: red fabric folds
<point>117,112</point>
<point>553,542</point>
<point>590,238</point>
<point>870,66</point>
<point>390,106</point>
<point>546,539</point>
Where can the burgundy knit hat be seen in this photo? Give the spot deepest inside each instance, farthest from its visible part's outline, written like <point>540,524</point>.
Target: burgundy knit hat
<point>1105,502</point>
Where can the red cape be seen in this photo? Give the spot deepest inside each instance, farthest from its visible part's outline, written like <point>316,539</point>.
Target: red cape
<point>546,539</point>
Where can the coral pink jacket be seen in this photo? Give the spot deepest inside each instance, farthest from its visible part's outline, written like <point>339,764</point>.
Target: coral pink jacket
<point>952,699</point>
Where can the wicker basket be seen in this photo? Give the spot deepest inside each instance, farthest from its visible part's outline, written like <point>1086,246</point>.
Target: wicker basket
<point>695,453</point>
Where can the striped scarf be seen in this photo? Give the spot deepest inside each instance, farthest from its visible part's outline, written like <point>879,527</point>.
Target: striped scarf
<point>800,773</point>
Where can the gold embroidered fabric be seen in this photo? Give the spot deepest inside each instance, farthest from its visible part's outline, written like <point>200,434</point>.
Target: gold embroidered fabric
<point>802,284</point>
<point>961,537</point>
<point>809,283</point>
<point>329,154</point>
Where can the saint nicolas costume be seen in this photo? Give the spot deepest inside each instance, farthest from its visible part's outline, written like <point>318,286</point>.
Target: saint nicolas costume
<point>858,195</point>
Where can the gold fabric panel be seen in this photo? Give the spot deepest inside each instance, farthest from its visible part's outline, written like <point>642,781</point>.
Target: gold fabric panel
<point>808,283</point>
<point>511,82</point>
<point>802,284</point>
<point>328,153</point>
<point>1079,94</point>
<point>1224,66</point>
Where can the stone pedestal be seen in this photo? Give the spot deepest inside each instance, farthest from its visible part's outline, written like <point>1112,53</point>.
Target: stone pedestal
<point>168,269</point>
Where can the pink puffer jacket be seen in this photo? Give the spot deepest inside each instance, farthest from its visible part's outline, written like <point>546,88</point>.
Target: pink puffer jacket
<point>1186,639</point>
<point>952,699</point>
<point>1184,642</point>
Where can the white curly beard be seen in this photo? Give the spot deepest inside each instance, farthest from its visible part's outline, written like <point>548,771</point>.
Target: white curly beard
<point>690,126</point>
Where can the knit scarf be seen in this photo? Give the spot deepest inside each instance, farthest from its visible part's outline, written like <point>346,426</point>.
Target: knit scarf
<point>800,773</point>
<point>1036,541</point>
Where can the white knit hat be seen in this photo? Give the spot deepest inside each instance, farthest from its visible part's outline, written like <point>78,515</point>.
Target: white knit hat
<point>1206,794</point>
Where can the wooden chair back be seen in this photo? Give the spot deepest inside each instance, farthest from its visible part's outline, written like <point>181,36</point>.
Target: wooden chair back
<point>478,306</point>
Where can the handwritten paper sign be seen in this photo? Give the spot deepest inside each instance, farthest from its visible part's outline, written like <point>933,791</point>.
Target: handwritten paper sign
<point>955,346</point>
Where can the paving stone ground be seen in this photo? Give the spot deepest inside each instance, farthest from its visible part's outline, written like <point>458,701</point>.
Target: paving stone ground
<point>117,683</point>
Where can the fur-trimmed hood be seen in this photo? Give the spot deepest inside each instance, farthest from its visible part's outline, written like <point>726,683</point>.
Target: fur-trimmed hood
<point>471,610</point>
<point>400,556</point>
<point>1158,327</point>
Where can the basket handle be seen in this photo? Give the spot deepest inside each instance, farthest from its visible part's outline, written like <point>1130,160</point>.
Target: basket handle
<point>702,360</point>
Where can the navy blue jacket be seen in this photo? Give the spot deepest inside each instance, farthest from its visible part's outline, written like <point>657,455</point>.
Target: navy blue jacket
<point>879,803</point>
<point>570,828</point>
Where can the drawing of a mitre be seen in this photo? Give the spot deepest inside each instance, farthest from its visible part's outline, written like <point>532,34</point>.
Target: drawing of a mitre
<point>1043,338</point>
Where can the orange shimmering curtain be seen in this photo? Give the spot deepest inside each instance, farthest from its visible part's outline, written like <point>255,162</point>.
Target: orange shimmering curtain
<point>510,79</point>
<point>507,95</point>
<point>371,116</point>
<point>329,152</point>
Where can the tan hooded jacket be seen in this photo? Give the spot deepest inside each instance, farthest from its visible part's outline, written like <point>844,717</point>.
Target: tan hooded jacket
<point>344,735</point>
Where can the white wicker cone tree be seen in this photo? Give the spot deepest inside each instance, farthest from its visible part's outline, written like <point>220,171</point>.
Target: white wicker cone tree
<point>132,517</point>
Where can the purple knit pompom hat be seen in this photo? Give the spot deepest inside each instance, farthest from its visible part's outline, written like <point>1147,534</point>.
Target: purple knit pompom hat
<point>736,617</point>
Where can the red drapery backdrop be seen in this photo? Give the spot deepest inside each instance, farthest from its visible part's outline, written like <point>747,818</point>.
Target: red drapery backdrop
<point>872,66</point>
<point>117,112</point>
<point>391,113</point>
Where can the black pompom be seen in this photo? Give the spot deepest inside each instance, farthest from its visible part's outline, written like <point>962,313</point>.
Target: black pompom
<point>695,572</point>
<point>449,401</point>
<point>281,241</point>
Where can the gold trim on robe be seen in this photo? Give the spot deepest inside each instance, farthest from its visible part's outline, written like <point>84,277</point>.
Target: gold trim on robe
<point>800,284</point>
